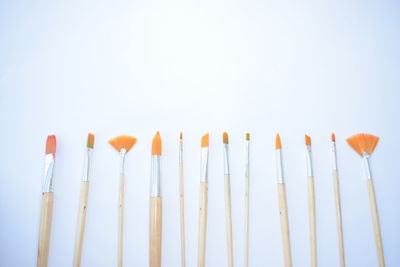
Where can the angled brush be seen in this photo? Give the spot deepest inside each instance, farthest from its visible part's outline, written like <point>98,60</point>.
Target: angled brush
<point>201,259</point>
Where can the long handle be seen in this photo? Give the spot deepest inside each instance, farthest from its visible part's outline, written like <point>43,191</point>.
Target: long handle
<point>121,219</point>
<point>80,228</point>
<point>46,216</point>
<point>283,212</point>
<point>246,221</point>
<point>338,217</point>
<point>182,215</point>
<point>375,220</point>
<point>228,215</point>
<point>155,231</point>
<point>312,222</point>
<point>202,223</point>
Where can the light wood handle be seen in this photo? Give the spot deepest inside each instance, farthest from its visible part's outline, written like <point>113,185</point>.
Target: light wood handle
<point>283,213</point>
<point>121,219</point>
<point>312,221</point>
<point>80,227</point>
<point>228,217</point>
<point>46,216</point>
<point>375,220</point>
<point>246,221</point>
<point>202,223</point>
<point>338,217</point>
<point>155,231</point>
<point>182,215</point>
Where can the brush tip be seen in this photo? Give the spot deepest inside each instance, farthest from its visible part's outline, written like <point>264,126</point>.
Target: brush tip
<point>248,136</point>
<point>156,147</point>
<point>205,140</point>
<point>278,144</point>
<point>308,140</point>
<point>51,144</point>
<point>363,143</point>
<point>180,136</point>
<point>333,137</point>
<point>225,138</point>
<point>123,142</point>
<point>90,140</point>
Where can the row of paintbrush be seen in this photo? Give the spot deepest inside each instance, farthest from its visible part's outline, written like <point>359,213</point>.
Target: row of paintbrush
<point>364,144</point>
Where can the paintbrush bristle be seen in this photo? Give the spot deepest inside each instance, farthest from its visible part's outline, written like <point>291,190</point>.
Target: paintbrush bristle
<point>180,136</point>
<point>363,143</point>
<point>156,147</point>
<point>308,140</point>
<point>278,144</point>
<point>204,140</point>
<point>333,137</point>
<point>225,138</point>
<point>123,141</point>
<point>90,140</point>
<point>51,144</point>
<point>248,136</point>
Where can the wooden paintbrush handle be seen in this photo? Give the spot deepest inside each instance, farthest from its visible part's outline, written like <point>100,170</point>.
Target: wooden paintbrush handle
<point>312,221</point>
<point>375,220</point>
<point>228,215</point>
<point>246,221</point>
<point>46,216</point>
<point>155,231</point>
<point>202,223</point>
<point>182,215</point>
<point>80,228</point>
<point>121,219</point>
<point>283,212</point>
<point>338,217</point>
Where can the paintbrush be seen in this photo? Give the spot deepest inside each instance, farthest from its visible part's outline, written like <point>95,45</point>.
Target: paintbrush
<point>155,202</point>
<point>336,191</point>
<point>80,228</point>
<point>246,201</point>
<point>182,202</point>
<point>311,203</point>
<point>203,201</point>
<point>283,208</point>
<point>46,212</point>
<point>122,144</point>
<point>228,204</point>
<point>364,145</point>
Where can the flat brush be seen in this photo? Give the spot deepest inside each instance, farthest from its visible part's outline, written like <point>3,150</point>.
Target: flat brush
<point>182,202</point>
<point>80,228</point>
<point>283,208</point>
<point>122,144</point>
<point>364,145</point>
<point>155,202</point>
<point>46,213</point>
<point>228,204</point>
<point>203,201</point>
<point>246,201</point>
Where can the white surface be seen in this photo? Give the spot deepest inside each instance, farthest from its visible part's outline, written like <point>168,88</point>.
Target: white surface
<point>137,67</point>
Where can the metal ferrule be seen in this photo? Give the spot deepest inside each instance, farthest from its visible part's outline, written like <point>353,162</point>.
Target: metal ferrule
<point>247,171</point>
<point>180,152</point>
<point>334,161</point>
<point>309,162</point>
<point>155,181</point>
<point>122,155</point>
<point>279,168</point>
<point>87,166</point>
<point>226,159</point>
<point>48,181</point>
<point>367,167</point>
<point>204,165</point>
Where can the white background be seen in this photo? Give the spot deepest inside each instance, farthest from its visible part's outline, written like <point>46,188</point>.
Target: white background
<point>135,67</point>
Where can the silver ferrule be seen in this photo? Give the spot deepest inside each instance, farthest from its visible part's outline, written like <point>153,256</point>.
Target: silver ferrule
<point>226,159</point>
<point>87,165</point>
<point>48,181</point>
<point>155,181</point>
<point>367,167</point>
<point>309,162</point>
<point>180,152</point>
<point>204,165</point>
<point>334,160</point>
<point>247,160</point>
<point>122,155</point>
<point>279,168</point>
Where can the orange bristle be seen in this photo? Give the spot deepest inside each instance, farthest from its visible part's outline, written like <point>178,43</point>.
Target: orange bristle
<point>123,141</point>
<point>90,141</point>
<point>278,144</point>
<point>204,140</point>
<point>225,138</point>
<point>308,140</point>
<point>51,144</point>
<point>156,147</point>
<point>363,143</point>
<point>180,136</point>
<point>333,137</point>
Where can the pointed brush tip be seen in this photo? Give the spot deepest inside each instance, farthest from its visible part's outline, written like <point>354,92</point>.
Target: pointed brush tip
<point>278,144</point>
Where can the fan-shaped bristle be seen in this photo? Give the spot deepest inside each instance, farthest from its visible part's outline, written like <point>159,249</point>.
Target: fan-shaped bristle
<point>123,141</point>
<point>363,143</point>
<point>204,140</point>
<point>278,144</point>
<point>90,141</point>
<point>225,138</point>
<point>51,144</point>
<point>308,140</point>
<point>156,147</point>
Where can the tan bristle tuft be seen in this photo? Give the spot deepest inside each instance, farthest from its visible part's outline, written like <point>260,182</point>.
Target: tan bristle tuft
<point>333,137</point>
<point>247,136</point>
<point>363,143</point>
<point>51,144</point>
<point>204,140</point>
<point>123,141</point>
<point>225,138</point>
<point>156,147</point>
<point>90,140</point>
<point>308,140</point>
<point>278,144</point>
<point>180,136</point>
